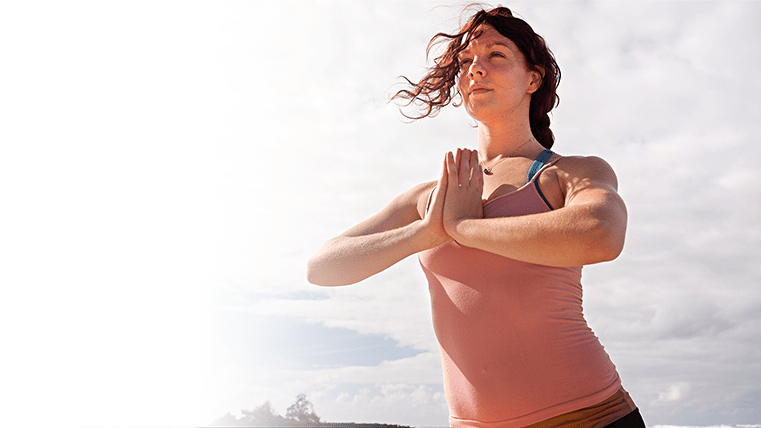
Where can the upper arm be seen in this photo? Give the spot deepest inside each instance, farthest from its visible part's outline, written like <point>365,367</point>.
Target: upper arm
<point>401,211</point>
<point>591,185</point>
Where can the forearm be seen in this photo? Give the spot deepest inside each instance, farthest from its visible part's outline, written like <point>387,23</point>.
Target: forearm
<point>346,260</point>
<point>570,236</point>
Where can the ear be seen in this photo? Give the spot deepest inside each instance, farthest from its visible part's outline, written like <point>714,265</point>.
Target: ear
<point>537,75</point>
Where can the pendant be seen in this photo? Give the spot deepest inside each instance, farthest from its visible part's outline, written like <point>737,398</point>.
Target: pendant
<point>487,171</point>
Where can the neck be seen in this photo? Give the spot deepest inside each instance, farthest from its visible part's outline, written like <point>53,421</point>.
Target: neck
<point>504,139</point>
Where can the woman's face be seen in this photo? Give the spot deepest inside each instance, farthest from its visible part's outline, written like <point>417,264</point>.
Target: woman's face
<point>494,81</point>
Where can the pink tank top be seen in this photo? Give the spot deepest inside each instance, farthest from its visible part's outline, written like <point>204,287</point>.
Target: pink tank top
<point>515,347</point>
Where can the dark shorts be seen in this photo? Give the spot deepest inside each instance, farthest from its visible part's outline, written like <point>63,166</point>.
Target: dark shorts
<point>632,420</point>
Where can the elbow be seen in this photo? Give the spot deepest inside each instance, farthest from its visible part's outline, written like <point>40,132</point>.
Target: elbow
<point>610,251</point>
<point>315,275</point>
<point>324,268</point>
<point>607,232</point>
<point>607,245</point>
<point>318,273</point>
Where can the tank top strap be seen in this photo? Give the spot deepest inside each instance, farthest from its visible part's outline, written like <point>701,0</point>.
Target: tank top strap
<point>539,163</point>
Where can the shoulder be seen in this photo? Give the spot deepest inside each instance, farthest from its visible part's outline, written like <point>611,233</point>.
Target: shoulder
<point>585,178</point>
<point>572,171</point>
<point>570,176</point>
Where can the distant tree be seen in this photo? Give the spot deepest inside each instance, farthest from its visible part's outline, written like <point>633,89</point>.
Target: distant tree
<point>263,415</point>
<point>228,420</point>
<point>302,411</point>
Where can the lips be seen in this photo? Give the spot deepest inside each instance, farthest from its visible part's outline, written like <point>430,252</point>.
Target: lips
<point>478,89</point>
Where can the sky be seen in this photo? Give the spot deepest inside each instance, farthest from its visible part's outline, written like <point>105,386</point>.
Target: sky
<point>168,167</point>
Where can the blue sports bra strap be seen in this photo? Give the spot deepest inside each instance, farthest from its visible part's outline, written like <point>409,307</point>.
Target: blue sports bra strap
<point>539,163</point>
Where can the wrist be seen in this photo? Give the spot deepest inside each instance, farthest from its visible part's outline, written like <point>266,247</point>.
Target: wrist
<point>457,229</point>
<point>429,236</point>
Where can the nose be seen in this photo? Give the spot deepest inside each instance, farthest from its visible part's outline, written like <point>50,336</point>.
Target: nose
<point>476,68</point>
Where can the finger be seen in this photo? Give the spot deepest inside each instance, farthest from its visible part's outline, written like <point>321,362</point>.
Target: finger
<point>443,180</point>
<point>464,171</point>
<point>436,204</point>
<point>443,177</point>
<point>475,168</point>
<point>451,168</point>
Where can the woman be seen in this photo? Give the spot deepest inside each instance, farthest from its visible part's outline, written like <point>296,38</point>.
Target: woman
<point>501,236</point>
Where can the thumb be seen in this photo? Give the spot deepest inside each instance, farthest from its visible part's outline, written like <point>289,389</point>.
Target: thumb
<point>436,202</point>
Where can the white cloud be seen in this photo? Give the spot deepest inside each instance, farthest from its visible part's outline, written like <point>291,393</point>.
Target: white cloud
<point>674,392</point>
<point>395,305</point>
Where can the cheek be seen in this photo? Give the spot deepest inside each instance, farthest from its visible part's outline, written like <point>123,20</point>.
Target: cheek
<point>463,96</point>
<point>460,84</point>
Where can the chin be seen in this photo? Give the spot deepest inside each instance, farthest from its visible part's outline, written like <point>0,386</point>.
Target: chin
<point>482,114</point>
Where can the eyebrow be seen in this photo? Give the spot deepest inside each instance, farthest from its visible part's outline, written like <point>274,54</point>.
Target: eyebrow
<point>498,43</point>
<point>490,45</point>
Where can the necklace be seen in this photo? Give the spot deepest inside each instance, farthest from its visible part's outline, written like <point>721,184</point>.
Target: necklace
<point>487,170</point>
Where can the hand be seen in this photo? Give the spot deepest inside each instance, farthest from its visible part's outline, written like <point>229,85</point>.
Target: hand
<point>466,185</point>
<point>433,221</point>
